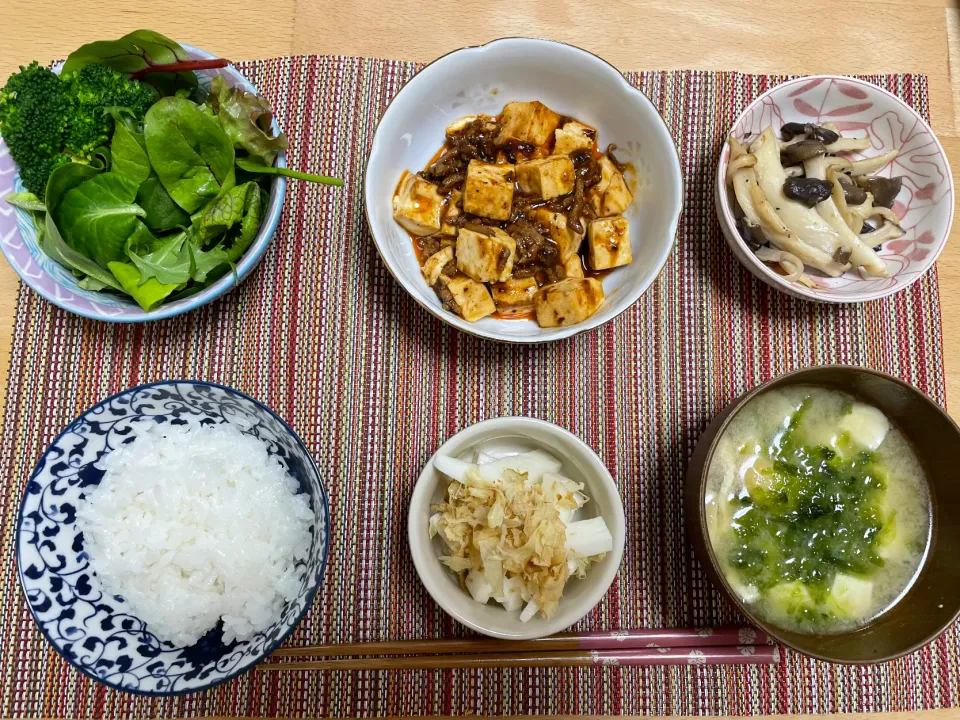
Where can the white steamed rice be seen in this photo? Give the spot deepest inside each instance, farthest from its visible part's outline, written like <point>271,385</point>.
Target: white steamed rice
<point>194,523</point>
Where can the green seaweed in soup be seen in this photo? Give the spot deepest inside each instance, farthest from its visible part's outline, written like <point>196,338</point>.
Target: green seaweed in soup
<point>818,510</point>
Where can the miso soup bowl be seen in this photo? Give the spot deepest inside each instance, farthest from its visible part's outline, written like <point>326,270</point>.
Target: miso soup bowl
<point>932,604</point>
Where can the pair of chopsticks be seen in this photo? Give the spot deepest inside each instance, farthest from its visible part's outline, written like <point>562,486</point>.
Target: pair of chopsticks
<point>679,646</point>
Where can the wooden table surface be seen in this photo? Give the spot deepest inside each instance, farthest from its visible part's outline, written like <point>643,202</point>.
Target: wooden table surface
<point>764,36</point>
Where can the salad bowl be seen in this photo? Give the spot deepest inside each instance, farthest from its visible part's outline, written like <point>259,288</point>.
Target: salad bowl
<point>95,631</point>
<point>571,81</point>
<point>57,284</point>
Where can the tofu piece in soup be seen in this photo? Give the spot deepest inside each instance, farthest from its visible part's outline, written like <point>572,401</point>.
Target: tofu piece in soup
<point>566,238</point>
<point>608,243</point>
<point>527,122</point>
<point>571,137</point>
<point>417,205</point>
<point>568,302</point>
<point>468,298</point>
<point>485,257</point>
<point>488,190</point>
<point>547,177</point>
<point>515,296</point>
<point>433,267</point>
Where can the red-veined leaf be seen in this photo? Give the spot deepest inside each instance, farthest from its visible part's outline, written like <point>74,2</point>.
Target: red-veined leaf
<point>849,109</point>
<point>806,86</point>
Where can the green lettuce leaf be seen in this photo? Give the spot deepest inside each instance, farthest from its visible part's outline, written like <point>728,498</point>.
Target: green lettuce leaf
<point>99,215</point>
<point>191,154</point>
<point>148,294</point>
<point>247,119</point>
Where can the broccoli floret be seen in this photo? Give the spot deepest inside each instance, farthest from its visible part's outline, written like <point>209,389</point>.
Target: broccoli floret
<point>34,111</point>
<point>47,120</point>
<point>93,88</point>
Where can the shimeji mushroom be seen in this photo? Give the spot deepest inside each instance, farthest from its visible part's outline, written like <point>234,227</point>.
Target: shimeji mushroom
<point>758,212</point>
<point>812,230</point>
<point>811,205</point>
<point>850,245</point>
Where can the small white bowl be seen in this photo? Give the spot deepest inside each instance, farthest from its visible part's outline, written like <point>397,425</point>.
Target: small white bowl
<point>567,79</point>
<point>925,204</point>
<point>509,436</point>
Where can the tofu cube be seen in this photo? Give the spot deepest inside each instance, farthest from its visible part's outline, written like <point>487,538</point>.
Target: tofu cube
<point>610,196</point>
<point>572,137</point>
<point>568,302</point>
<point>469,299</point>
<point>485,258</point>
<point>488,190</point>
<point>572,267</point>
<point>567,240</point>
<point>547,177</point>
<point>617,198</point>
<point>450,213</point>
<point>515,297</point>
<point>433,267</point>
<point>527,122</point>
<point>608,243</point>
<point>417,205</point>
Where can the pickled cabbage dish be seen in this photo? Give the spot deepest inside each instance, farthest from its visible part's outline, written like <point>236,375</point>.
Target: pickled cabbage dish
<point>817,509</point>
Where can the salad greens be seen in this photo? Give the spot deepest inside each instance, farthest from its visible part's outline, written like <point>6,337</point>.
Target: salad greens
<point>140,182</point>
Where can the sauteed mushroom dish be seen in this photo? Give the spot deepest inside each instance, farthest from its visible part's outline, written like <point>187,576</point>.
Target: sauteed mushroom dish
<point>518,216</point>
<point>803,201</point>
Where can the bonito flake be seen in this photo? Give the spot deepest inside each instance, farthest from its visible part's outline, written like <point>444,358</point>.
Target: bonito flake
<point>506,536</point>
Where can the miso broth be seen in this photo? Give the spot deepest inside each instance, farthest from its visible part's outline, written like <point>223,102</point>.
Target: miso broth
<point>818,510</point>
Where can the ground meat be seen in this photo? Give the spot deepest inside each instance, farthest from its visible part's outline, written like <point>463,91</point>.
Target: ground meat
<point>477,141</point>
<point>586,166</point>
<point>530,240</point>
<point>429,245</point>
<point>446,297</point>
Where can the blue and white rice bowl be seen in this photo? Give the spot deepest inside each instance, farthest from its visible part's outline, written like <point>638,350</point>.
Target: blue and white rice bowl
<point>93,630</point>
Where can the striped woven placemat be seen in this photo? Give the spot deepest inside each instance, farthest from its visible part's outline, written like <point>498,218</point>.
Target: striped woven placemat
<point>374,384</point>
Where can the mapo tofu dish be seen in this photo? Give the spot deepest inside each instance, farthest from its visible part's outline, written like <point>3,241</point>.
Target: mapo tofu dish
<point>518,216</point>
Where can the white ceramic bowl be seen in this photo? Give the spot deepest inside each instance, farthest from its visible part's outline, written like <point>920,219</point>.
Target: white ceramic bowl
<point>509,436</point>
<point>567,79</point>
<point>925,205</point>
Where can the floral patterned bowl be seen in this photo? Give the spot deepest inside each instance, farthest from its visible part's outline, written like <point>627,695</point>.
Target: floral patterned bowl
<point>567,79</point>
<point>18,241</point>
<point>92,630</point>
<point>925,205</point>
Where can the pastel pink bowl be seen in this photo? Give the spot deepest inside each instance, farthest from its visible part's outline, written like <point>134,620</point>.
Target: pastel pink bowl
<point>925,205</point>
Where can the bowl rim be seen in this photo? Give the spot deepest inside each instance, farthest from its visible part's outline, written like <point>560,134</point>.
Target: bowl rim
<point>270,647</point>
<point>570,330</point>
<point>737,405</point>
<point>421,495</point>
<point>228,282</point>
<point>727,222</point>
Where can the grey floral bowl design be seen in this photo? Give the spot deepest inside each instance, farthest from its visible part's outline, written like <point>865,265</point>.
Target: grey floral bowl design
<point>94,631</point>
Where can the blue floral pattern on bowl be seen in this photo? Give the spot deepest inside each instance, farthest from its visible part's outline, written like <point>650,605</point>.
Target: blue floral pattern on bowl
<point>21,247</point>
<point>93,630</point>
